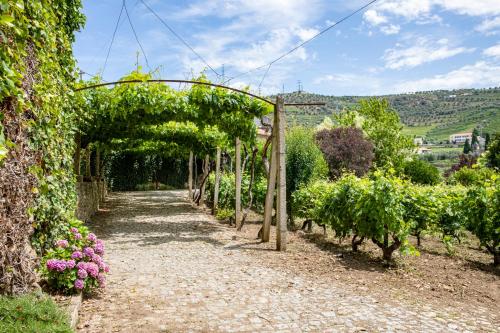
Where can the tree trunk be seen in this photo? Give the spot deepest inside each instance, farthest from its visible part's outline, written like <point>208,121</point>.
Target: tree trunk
<point>418,238</point>
<point>206,168</point>
<point>386,249</point>
<point>190,176</point>
<point>356,242</point>
<point>250,188</point>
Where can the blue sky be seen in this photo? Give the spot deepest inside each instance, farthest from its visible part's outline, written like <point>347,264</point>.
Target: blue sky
<point>394,46</point>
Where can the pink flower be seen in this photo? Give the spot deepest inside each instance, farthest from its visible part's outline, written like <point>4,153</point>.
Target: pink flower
<point>92,269</point>
<point>101,279</point>
<point>79,284</point>
<point>82,274</point>
<point>88,252</point>
<point>70,263</point>
<point>96,258</point>
<point>62,243</point>
<point>77,255</point>
<point>81,265</point>
<point>91,237</point>
<point>56,265</point>
<point>78,236</point>
<point>99,247</point>
<point>73,230</point>
<point>106,268</point>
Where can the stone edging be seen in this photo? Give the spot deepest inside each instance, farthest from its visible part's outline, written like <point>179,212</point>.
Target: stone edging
<point>74,308</point>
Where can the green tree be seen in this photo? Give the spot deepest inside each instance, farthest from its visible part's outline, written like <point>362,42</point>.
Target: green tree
<point>467,147</point>
<point>382,126</point>
<point>475,136</point>
<point>304,162</point>
<point>422,172</point>
<point>493,153</point>
<point>487,139</point>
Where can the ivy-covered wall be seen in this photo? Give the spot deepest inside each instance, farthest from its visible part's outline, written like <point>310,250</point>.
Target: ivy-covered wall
<point>38,121</point>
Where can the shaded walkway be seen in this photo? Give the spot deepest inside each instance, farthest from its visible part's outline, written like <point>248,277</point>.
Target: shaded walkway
<point>174,269</point>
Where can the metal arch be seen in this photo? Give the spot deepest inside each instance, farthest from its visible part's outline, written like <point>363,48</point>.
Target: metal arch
<point>198,83</point>
<point>176,81</point>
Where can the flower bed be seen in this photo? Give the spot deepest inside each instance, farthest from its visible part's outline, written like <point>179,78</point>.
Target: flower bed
<point>76,263</point>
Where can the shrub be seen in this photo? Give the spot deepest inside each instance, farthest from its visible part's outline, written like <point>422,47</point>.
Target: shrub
<point>304,162</point>
<point>464,161</point>
<point>493,153</point>
<point>422,172</point>
<point>346,149</point>
<point>75,263</point>
<point>483,215</point>
<point>451,214</point>
<point>421,209</point>
<point>380,214</point>
<point>470,176</point>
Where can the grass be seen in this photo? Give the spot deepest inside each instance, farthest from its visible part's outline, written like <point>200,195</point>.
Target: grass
<point>419,131</point>
<point>32,313</point>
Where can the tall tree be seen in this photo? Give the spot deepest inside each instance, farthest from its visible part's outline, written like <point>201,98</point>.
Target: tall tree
<point>467,147</point>
<point>493,153</point>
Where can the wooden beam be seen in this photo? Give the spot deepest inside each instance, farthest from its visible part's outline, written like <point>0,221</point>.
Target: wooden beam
<point>237,209</point>
<point>281,219</point>
<point>271,186</point>
<point>206,168</point>
<point>190,176</point>
<point>217,181</point>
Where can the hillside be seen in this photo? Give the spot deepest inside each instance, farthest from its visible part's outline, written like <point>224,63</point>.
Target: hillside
<point>434,114</point>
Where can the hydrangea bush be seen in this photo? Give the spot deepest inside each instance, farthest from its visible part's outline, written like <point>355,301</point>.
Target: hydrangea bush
<point>76,263</point>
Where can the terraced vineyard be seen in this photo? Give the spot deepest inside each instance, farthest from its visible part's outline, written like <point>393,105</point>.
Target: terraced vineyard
<point>434,114</point>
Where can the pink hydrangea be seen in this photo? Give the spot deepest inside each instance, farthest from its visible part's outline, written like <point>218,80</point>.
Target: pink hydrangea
<point>79,284</point>
<point>77,255</point>
<point>81,265</point>
<point>62,243</point>
<point>99,247</point>
<point>82,274</point>
<point>101,279</point>
<point>78,235</point>
<point>105,268</point>
<point>56,265</point>
<point>96,258</point>
<point>73,230</point>
<point>70,263</point>
<point>92,269</point>
<point>92,237</point>
<point>88,252</point>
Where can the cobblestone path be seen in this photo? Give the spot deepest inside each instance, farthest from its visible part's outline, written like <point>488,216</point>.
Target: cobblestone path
<point>175,269</point>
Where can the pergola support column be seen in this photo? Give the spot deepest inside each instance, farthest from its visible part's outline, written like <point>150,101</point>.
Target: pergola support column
<point>206,169</point>
<point>271,185</point>
<point>281,218</point>
<point>217,181</point>
<point>237,209</point>
<point>190,176</point>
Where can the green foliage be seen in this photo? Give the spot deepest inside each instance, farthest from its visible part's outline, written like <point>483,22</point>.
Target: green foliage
<point>470,176</point>
<point>3,145</point>
<point>422,172</point>
<point>37,39</point>
<point>493,153</point>
<point>483,214</point>
<point>308,199</point>
<point>421,209</point>
<point>304,161</point>
<point>382,126</point>
<point>32,313</point>
<point>451,213</point>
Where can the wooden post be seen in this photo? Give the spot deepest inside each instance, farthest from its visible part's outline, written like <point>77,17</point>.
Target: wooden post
<point>87,162</point>
<point>78,150</point>
<point>281,227</point>
<point>271,185</point>
<point>217,181</point>
<point>237,209</point>
<point>98,163</point>
<point>206,167</point>
<point>190,176</point>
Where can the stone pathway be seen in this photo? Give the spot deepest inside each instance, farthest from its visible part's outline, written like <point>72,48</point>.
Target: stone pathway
<point>175,269</point>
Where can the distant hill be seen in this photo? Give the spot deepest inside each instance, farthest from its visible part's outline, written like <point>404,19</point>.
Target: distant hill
<point>434,114</point>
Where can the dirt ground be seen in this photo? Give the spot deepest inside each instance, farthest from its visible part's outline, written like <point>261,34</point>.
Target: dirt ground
<point>464,279</point>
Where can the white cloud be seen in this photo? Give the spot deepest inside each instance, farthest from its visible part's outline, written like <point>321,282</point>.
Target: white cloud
<point>489,26</point>
<point>468,7</point>
<point>422,51</point>
<point>391,29</point>
<point>478,75</point>
<point>374,18</point>
<point>493,51</point>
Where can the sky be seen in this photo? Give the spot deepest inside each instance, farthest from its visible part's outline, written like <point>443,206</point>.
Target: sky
<point>393,46</point>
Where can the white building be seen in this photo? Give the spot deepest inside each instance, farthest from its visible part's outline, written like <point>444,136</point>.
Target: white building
<point>460,137</point>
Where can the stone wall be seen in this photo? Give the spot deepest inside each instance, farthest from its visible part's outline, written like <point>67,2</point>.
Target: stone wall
<point>90,195</point>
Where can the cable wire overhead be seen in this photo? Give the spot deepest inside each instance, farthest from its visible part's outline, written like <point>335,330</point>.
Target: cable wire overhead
<point>135,34</point>
<point>113,38</point>
<point>179,38</point>
<point>302,44</point>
